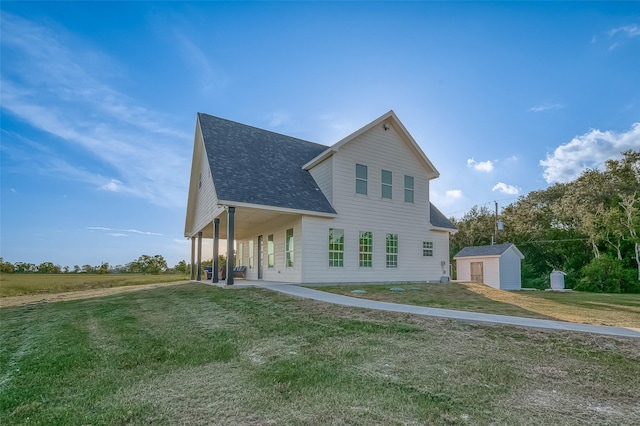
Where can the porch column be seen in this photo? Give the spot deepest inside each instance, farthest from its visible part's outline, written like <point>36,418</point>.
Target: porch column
<point>199,273</point>
<point>216,240</point>
<point>231,211</point>
<point>193,258</point>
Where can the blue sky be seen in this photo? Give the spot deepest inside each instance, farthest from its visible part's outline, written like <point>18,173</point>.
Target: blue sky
<point>99,102</point>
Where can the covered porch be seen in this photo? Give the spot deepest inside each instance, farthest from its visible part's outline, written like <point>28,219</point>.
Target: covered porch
<point>232,223</point>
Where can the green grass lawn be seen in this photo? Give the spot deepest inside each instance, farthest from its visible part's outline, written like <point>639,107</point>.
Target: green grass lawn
<point>622,310</point>
<point>197,354</point>
<point>23,284</point>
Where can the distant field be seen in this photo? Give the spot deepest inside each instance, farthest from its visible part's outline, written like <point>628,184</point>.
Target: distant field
<point>622,310</point>
<point>24,284</point>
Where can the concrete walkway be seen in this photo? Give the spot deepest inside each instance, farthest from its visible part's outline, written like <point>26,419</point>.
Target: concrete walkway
<point>307,293</point>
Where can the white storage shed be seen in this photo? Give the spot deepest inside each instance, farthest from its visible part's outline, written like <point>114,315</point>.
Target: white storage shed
<point>497,265</point>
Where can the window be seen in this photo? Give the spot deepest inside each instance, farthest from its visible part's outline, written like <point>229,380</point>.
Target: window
<point>386,178</point>
<point>408,189</point>
<point>239,261</point>
<point>392,250</point>
<point>366,249</point>
<point>289,248</point>
<point>251,254</point>
<point>336,248</point>
<point>270,252</point>
<point>361,179</point>
<point>427,248</point>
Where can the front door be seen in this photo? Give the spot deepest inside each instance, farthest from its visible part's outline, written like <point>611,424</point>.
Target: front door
<point>260,257</point>
<point>477,274</point>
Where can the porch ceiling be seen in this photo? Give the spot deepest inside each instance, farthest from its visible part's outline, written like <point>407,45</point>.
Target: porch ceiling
<point>247,219</point>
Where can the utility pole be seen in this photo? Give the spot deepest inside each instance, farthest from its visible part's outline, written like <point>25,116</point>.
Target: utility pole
<point>495,239</point>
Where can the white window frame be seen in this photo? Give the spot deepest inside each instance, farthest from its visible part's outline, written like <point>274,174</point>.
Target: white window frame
<point>409,190</point>
<point>362,179</point>
<point>271,252</point>
<point>365,251</point>
<point>427,248</point>
<point>386,186</point>
<point>289,244</point>
<point>336,248</point>
<point>391,251</point>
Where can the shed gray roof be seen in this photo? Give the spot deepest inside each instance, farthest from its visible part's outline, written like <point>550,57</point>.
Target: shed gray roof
<point>494,250</point>
<point>256,166</point>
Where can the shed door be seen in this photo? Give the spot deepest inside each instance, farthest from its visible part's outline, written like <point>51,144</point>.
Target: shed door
<point>476,272</point>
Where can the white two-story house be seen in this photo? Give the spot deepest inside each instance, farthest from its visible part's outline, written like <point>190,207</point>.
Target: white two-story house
<point>297,211</point>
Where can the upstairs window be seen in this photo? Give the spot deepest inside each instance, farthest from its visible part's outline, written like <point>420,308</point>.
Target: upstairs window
<point>427,248</point>
<point>408,189</point>
<point>289,248</point>
<point>336,248</point>
<point>270,252</point>
<point>386,179</point>
<point>366,249</point>
<point>361,179</point>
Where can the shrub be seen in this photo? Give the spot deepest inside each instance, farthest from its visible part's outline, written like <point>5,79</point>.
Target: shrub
<point>604,274</point>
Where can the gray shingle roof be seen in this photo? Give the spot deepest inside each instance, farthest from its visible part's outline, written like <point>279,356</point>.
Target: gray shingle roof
<point>494,250</point>
<point>256,166</point>
<point>439,220</point>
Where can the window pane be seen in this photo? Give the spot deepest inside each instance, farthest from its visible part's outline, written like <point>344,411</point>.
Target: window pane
<point>408,182</point>
<point>427,248</point>
<point>386,191</point>
<point>366,249</point>
<point>408,195</point>
<point>270,252</point>
<point>387,177</point>
<point>361,186</point>
<point>392,250</point>
<point>289,248</point>
<point>251,254</point>
<point>361,171</point>
<point>336,247</point>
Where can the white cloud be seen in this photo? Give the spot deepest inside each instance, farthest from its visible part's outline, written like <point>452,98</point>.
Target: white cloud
<point>74,101</point>
<point>454,193</point>
<point>545,107</point>
<point>482,166</point>
<point>588,151</point>
<point>120,232</point>
<point>506,189</point>
<point>210,78</point>
<point>114,185</point>
<point>620,35</point>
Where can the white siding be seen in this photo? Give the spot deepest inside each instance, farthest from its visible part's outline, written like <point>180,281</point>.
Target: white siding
<point>323,175</point>
<point>378,150</point>
<point>491,271</point>
<point>280,272</point>
<point>510,277</point>
<point>206,199</point>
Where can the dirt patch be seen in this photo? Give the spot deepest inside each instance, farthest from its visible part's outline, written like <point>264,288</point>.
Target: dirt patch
<point>76,295</point>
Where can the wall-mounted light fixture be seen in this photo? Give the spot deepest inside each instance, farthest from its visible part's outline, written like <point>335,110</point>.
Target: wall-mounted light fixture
<point>386,126</point>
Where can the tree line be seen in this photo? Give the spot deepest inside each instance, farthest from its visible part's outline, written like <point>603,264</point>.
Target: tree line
<point>588,228</point>
<point>144,264</point>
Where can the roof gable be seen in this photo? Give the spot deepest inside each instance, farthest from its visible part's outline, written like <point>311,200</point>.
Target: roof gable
<point>390,119</point>
<point>256,166</point>
<point>495,250</point>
